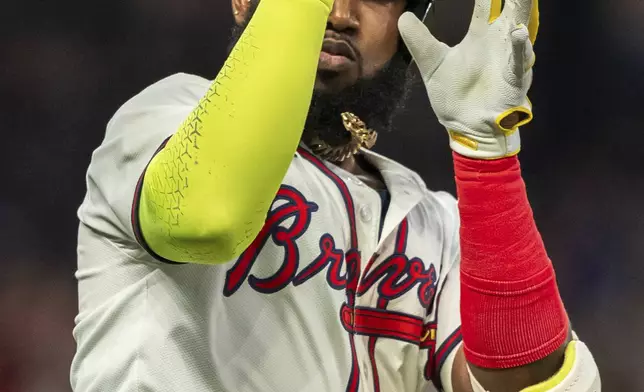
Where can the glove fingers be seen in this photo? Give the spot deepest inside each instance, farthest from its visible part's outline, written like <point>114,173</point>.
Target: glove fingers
<point>427,51</point>
<point>485,13</point>
<point>518,11</point>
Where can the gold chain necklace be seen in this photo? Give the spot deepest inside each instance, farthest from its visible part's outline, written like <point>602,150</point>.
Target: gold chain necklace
<point>361,137</point>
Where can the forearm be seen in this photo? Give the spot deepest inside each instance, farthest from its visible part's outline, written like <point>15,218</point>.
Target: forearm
<point>514,324</point>
<point>225,164</point>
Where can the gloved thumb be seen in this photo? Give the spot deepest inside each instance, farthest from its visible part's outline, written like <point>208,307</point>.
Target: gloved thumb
<point>427,51</point>
<point>522,54</point>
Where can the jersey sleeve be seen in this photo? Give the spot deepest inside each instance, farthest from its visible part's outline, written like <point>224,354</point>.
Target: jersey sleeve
<point>446,316</point>
<point>448,333</point>
<point>205,196</point>
<point>133,136</point>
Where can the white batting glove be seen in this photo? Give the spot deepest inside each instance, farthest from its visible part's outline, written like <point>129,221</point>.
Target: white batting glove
<point>474,85</point>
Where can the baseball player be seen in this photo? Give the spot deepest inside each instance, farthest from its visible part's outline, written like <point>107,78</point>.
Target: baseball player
<point>238,235</point>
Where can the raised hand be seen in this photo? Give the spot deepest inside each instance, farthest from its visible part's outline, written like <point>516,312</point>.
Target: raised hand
<point>477,85</point>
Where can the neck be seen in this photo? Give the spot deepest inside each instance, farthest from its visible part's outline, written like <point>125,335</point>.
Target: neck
<point>360,167</point>
<point>352,166</point>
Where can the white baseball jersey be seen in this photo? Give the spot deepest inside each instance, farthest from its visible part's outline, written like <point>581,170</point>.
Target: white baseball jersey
<point>321,300</point>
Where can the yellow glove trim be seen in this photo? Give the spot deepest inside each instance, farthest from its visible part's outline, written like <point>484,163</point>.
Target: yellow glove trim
<point>513,153</point>
<point>533,25</point>
<point>463,140</point>
<point>521,123</point>
<point>495,10</point>
<point>552,382</point>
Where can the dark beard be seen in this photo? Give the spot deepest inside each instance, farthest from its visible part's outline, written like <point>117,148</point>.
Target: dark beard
<point>375,100</point>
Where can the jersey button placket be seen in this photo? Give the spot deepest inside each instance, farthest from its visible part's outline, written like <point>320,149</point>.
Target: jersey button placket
<point>366,214</point>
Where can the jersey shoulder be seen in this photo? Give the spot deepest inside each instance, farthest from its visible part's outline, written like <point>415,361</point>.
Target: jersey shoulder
<point>178,92</point>
<point>132,137</point>
<point>180,88</point>
<point>446,204</point>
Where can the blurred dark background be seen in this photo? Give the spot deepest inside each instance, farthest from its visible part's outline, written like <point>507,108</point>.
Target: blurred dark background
<point>66,66</point>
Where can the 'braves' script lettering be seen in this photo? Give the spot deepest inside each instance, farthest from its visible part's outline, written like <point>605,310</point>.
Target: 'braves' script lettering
<point>297,207</point>
<point>394,276</point>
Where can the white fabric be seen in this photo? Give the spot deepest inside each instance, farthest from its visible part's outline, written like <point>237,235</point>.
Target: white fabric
<point>583,376</point>
<point>146,325</point>
<point>478,80</point>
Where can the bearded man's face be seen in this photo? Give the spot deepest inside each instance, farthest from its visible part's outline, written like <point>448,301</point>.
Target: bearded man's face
<point>361,67</point>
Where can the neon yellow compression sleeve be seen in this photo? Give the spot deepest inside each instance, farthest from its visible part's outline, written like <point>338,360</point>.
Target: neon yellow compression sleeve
<point>205,195</point>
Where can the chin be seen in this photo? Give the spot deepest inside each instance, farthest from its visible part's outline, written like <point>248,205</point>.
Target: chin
<point>328,82</point>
